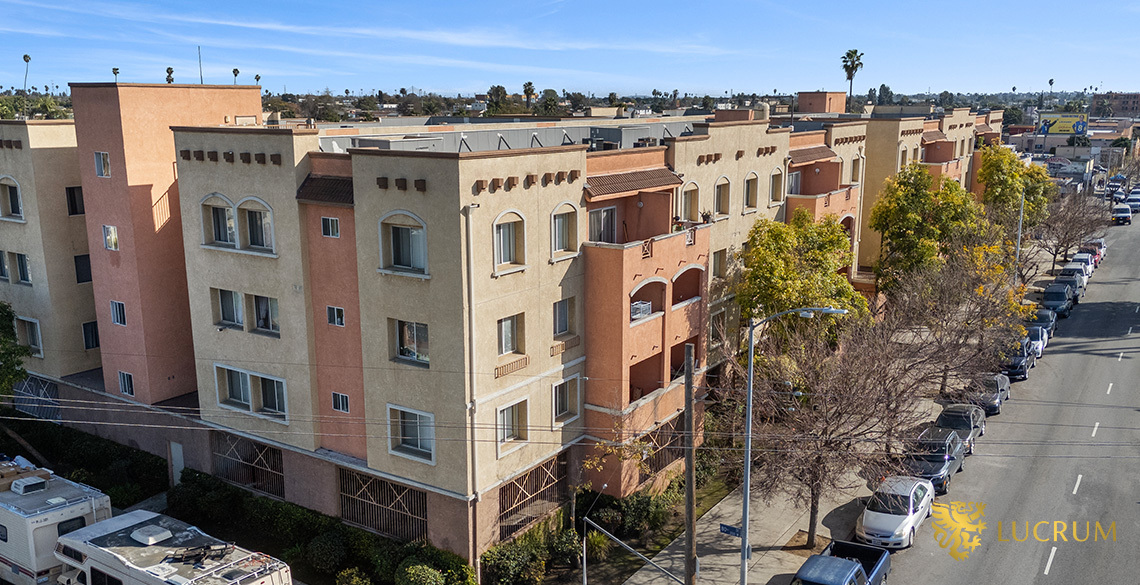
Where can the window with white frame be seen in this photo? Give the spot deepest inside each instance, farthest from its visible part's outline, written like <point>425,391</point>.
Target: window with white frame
<point>28,334</point>
<point>230,307</point>
<point>127,383</point>
<point>23,270</point>
<point>412,341</point>
<point>564,231</point>
<point>3,264</point>
<point>565,400</point>
<point>91,335</point>
<point>273,395</point>
<point>403,243</point>
<point>110,237</point>
<point>118,313</point>
<point>512,423</point>
<point>236,389</point>
<point>794,183</point>
<point>564,317</point>
<point>722,197</point>
<point>259,229</point>
<point>340,402</point>
<point>335,315</point>
<point>102,164</point>
<point>412,432</point>
<point>330,227</point>
<point>10,204</point>
<point>603,225</point>
<point>510,238</point>
<point>223,228</point>
<point>510,333</point>
<point>265,314</point>
<point>690,201</point>
<point>776,187</point>
<point>751,191</point>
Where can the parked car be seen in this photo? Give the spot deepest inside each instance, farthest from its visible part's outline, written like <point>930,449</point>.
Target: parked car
<point>1133,202</point>
<point>989,392</point>
<point>1093,251</point>
<point>967,419</point>
<point>1078,270</point>
<point>845,563</point>
<point>1043,318</point>
<point>1019,360</point>
<point>1038,340</point>
<point>895,512</point>
<point>1119,197</point>
<point>1101,244</point>
<point>937,455</point>
<point>1074,283</point>
<point>1058,298</point>
<point>1087,260</point>
<point>1121,214</point>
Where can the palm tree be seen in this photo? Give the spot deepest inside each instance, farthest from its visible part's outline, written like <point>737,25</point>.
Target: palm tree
<point>257,79</point>
<point>1015,89</point>
<point>115,72</point>
<point>528,90</point>
<point>235,75</point>
<point>852,63</point>
<point>27,61</point>
<point>1050,87</point>
<point>170,75</point>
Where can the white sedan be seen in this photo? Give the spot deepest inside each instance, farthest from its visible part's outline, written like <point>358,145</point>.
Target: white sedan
<point>1038,340</point>
<point>895,511</point>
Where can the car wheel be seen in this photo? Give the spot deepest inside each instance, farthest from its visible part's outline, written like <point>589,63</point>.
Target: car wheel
<point>910,542</point>
<point>982,431</point>
<point>961,466</point>
<point>998,409</point>
<point>970,447</point>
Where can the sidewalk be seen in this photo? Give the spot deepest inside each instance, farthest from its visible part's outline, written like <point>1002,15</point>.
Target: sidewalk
<point>771,527</point>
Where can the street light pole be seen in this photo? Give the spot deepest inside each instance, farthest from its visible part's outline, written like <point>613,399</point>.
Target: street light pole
<point>745,546</point>
<point>1020,219</point>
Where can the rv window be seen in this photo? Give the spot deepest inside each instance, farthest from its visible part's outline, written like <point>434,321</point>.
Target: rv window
<point>3,533</point>
<point>100,578</point>
<point>71,525</point>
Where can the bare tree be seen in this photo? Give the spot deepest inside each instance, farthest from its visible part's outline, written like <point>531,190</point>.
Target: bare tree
<point>1072,221</point>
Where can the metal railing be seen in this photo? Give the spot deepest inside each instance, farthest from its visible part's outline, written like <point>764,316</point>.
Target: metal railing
<point>388,508</point>
<point>248,464</point>
<point>531,495</point>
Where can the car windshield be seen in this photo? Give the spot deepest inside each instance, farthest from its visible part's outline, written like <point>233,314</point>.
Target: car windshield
<point>1041,317</point>
<point>1058,295</point>
<point>931,448</point>
<point>990,384</point>
<point>1036,334</point>
<point>955,420</point>
<point>893,504</point>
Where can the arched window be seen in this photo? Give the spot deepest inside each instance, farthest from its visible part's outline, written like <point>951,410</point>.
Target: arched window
<point>255,223</point>
<point>687,284</point>
<point>723,194</point>
<point>902,157</point>
<point>647,298</point>
<point>218,227</point>
<point>509,234</point>
<point>689,210</point>
<point>751,187</point>
<point>563,231</point>
<point>403,243</point>
<point>776,187</point>
<point>11,203</point>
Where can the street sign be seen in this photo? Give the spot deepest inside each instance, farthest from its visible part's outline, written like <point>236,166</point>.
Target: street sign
<point>730,530</point>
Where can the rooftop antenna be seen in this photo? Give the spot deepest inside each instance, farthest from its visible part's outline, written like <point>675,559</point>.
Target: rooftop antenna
<point>201,78</point>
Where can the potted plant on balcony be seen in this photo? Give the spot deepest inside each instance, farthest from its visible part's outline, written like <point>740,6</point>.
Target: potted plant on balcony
<point>706,216</point>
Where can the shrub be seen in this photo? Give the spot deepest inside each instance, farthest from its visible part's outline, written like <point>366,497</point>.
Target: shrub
<point>513,563</point>
<point>608,518</point>
<point>708,463</point>
<point>413,572</point>
<point>327,552</point>
<point>565,548</point>
<point>386,559</point>
<point>125,495</point>
<point>454,569</point>
<point>634,515</point>
<point>352,576</point>
<point>598,546</point>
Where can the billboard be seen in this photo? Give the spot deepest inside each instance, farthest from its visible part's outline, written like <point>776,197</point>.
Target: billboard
<point>1063,124</point>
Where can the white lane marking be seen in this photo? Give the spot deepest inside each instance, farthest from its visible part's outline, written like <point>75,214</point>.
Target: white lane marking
<point>1109,388</point>
<point>1078,484</point>
<point>1095,427</point>
<point>1050,562</point>
<point>1120,357</point>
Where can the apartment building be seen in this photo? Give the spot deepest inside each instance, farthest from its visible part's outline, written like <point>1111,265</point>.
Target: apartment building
<point>45,269</point>
<point>1120,104</point>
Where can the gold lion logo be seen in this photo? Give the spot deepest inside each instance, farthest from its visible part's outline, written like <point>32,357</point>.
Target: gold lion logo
<point>957,527</point>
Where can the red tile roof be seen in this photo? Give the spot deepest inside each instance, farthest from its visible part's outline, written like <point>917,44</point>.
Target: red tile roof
<point>983,129</point>
<point>811,154</point>
<point>326,189</point>
<point>610,184</point>
<point>933,136</point>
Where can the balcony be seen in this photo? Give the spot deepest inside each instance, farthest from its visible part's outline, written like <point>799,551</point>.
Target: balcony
<point>953,169</point>
<point>841,203</point>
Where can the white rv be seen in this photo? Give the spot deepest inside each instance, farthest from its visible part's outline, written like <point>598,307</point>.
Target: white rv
<point>145,548</point>
<point>36,508</point>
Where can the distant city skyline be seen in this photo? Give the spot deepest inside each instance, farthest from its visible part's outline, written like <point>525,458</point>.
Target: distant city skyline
<point>592,47</point>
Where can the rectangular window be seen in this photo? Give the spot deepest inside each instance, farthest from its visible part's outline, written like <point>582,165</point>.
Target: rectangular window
<point>330,227</point>
<point>91,335</point>
<point>413,341</point>
<point>689,201</point>
<point>563,311</point>
<point>603,225</point>
<point>14,207</point>
<point>230,307</point>
<point>22,270</point>
<point>75,201</point>
<point>237,387</point>
<point>102,168</point>
<point>265,314</point>
<point>794,183</point>
<point>413,433</point>
<point>110,237</point>
<point>126,383</point>
<point>100,578</point>
<point>340,402</point>
<point>750,192</point>
<point>69,526</point>
<point>720,263</point>
<point>562,233</point>
<point>29,333</point>
<point>408,248</point>
<point>505,243</point>
<point>118,313</point>
<point>223,221</point>
<point>260,229</point>
<point>335,315</point>
<point>512,423</point>
<point>856,164</point>
<point>273,395</point>
<point>722,198</point>
<point>3,264</point>
<point>83,268</point>
<point>3,533</point>
<point>776,188</point>
<point>566,400</point>
<point>508,335</point>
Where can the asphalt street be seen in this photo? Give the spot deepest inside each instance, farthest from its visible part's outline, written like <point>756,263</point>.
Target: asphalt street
<point>1066,448</point>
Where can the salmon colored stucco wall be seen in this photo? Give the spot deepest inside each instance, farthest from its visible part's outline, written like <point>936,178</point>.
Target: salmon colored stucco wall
<point>616,161</point>
<point>841,204</point>
<point>833,102</point>
<point>338,352</point>
<point>132,123</point>
<point>826,180</point>
<point>328,163</point>
<point>806,139</point>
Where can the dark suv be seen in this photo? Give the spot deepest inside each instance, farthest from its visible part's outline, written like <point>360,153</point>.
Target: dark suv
<point>1058,298</point>
<point>989,392</point>
<point>936,455</point>
<point>1018,360</point>
<point>967,419</point>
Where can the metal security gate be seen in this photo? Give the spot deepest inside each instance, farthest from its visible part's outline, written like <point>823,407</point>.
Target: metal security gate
<point>388,508</point>
<point>531,495</point>
<point>664,446</point>
<point>248,464</point>
<point>37,397</point>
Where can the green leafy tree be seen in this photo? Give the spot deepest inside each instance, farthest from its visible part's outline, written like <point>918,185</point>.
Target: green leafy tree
<point>1103,109</point>
<point>708,103</point>
<point>548,104</point>
<point>1012,115</point>
<point>496,99</point>
<point>797,264</point>
<point>918,221</point>
<point>12,354</point>
<point>577,101</point>
<point>1078,140</point>
<point>946,99</point>
<point>1122,142</point>
<point>886,96</point>
<point>528,91</point>
<point>613,100</point>
<point>1005,177</point>
<point>852,62</point>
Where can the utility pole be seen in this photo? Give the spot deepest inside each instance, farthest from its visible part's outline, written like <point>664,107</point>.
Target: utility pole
<point>690,473</point>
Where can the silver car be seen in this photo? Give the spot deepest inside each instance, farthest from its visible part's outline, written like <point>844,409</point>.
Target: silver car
<point>895,511</point>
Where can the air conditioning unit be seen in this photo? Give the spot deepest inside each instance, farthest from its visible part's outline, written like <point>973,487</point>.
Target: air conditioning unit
<point>29,485</point>
<point>639,309</point>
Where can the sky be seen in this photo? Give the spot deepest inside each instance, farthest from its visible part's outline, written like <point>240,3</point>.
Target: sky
<point>451,47</point>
